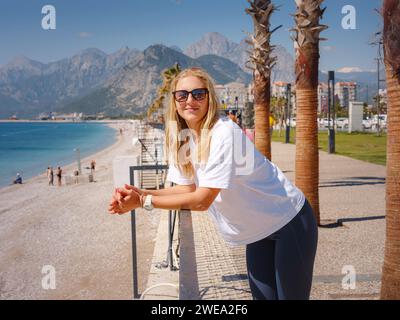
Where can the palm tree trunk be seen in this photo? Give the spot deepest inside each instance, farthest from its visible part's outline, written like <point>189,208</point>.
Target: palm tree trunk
<point>262,63</point>
<point>391,40</point>
<point>307,39</point>
<point>307,158</point>
<point>262,96</point>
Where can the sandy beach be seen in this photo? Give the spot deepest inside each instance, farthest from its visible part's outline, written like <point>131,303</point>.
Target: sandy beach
<point>69,228</point>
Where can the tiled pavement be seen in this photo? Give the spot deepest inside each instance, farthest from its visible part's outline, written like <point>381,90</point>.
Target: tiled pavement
<point>221,268</point>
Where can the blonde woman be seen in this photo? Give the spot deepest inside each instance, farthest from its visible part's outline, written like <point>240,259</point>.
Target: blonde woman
<point>249,199</point>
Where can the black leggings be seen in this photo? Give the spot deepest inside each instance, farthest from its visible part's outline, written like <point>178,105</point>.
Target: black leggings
<point>280,267</point>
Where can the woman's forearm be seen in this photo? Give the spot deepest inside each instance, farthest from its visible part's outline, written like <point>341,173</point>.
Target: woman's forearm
<point>188,201</point>
<point>200,199</point>
<point>178,189</point>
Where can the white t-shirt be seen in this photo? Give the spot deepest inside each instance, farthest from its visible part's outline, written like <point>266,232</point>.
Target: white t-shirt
<point>256,199</point>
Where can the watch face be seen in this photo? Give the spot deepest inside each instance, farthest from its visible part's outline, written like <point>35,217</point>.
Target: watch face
<point>147,203</point>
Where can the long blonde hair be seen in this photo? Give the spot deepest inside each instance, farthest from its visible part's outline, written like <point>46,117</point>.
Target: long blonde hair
<point>175,124</point>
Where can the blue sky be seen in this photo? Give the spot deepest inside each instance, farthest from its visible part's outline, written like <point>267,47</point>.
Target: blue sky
<point>110,25</point>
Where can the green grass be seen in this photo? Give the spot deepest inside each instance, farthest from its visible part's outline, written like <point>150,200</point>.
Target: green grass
<point>362,146</point>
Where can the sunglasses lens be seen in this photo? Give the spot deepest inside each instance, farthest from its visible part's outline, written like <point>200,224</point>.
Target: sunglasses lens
<point>181,96</point>
<point>199,94</point>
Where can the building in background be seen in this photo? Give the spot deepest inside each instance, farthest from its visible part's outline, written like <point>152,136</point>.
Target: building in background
<point>322,97</point>
<point>346,93</point>
<point>232,95</point>
<point>64,117</point>
<point>279,89</point>
<point>250,92</point>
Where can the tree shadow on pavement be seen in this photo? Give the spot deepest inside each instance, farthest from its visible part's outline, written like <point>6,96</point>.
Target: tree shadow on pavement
<point>354,181</point>
<point>329,224</point>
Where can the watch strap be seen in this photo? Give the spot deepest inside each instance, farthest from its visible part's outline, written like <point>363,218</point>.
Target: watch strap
<point>147,202</point>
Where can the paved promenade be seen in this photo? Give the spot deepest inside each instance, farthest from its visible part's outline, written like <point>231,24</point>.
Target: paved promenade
<point>352,205</point>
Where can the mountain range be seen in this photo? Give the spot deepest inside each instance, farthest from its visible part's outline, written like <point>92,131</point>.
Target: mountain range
<point>29,87</point>
<point>215,43</point>
<point>125,82</point>
<point>134,87</point>
<point>284,69</point>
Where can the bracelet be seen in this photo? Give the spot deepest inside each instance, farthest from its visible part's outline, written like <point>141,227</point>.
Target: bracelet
<point>141,200</point>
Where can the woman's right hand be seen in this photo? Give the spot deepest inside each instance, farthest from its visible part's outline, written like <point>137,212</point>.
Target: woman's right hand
<point>114,203</point>
<point>113,206</point>
<point>124,200</point>
<point>137,190</point>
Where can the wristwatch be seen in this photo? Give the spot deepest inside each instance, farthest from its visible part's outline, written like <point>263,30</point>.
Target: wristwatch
<point>147,203</point>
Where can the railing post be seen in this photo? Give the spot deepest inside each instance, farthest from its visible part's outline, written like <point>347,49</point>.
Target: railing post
<point>132,172</point>
<point>134,246</point>
<point>188,282</point>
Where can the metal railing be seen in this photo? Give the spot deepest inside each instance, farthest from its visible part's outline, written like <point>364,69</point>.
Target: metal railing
<point>188,282</point>
<point>171,229</point>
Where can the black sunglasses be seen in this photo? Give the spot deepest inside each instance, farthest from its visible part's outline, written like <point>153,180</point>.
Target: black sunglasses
<point>197,94</point>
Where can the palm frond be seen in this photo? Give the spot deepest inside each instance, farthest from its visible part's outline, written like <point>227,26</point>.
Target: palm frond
<point>391,34</point>
<point>168,76</point>
<point>260,58</point>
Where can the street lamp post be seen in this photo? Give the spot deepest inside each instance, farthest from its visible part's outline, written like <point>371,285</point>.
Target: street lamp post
<point>78,159</point>
<point>331,107</point>
<point>378,98</point>
<point>288,95</point>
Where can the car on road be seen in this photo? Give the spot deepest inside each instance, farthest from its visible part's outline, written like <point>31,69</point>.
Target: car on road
<point>342,123</point>
<point>292,122</point>
<point>367,123</point>
<point>382,121</point>
<point>323,122</point>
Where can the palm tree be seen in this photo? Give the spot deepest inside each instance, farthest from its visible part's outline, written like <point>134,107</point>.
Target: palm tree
<point>168,75</point>
<point>306,40</point>
<point>391,44</point>
<point>261,63</point>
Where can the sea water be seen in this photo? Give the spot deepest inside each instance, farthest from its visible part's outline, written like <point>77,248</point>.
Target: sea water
<point>29,148</point>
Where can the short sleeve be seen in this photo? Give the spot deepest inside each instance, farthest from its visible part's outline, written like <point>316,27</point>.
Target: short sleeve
<point>175,176</point>
<point>218,170</point>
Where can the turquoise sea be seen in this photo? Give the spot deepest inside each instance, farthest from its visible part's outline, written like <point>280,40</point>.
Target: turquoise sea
<point>29,148</point>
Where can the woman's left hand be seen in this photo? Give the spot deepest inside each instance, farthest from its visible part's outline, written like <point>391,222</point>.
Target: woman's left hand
<point>124,200</point>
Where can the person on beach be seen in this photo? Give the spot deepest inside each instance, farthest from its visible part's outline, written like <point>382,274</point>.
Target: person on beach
<point>92,165</point>
<point>59,175</point>
<point>250,200</point>
<point>76,175</point>
<point>50,176</point>
<point>18,179</point>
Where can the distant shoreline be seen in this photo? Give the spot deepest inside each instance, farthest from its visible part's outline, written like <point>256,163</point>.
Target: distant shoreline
<point>66,121</point>
<point>113,124</point>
